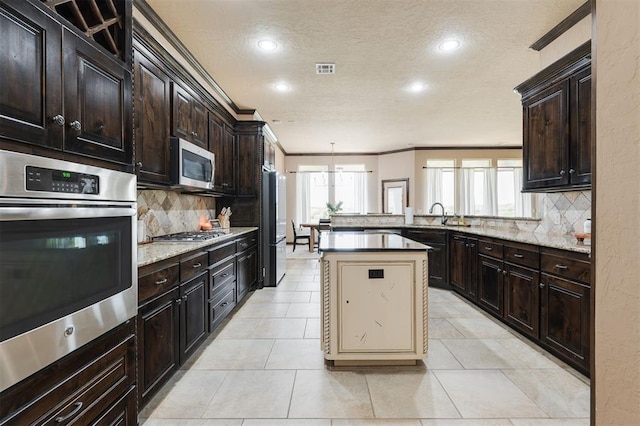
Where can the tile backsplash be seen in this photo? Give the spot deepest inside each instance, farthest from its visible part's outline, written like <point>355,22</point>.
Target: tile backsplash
<point>166,212</point>
<point>563,212</point>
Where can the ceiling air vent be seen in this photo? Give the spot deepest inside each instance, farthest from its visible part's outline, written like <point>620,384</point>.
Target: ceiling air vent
<point>325,68</point>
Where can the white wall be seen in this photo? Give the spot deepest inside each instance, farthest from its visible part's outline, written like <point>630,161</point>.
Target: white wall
<point>398,165</point>
<point>617,209</point>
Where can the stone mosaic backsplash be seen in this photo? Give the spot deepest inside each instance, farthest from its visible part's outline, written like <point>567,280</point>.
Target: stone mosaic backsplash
<point>167,212</point>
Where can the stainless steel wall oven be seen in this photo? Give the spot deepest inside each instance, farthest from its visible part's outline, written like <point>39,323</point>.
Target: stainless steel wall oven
<point>68,263</point>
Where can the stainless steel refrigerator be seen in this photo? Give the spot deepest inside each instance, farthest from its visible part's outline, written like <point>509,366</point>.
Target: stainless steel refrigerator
<point>274,224</point>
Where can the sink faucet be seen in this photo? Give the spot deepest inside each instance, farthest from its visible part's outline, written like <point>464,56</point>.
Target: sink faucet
<point>444,218</point>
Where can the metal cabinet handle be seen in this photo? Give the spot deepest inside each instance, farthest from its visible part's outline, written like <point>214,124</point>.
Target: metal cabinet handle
<point>196,265</point>
<point>541,285</point>
<point>58,119</point>
<point>571,171</point>
<point>504,272</point>
<point>194,134</point>
<point>222,305</point>
<point>76,410</point>
<point>185,297</point>
<point>139,164</point>
<point>518,255</point>
<point>562,172</point>
<point>161,281</point>
<point>178,301</point>
<point>75,125</point>
<point>499,270</point>
<point>472,245</point>
<point>563,267</point>
<point>225,275</point>
<point>488,248</point>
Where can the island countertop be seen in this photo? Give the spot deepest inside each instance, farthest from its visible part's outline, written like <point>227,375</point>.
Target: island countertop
<point>358,241</point>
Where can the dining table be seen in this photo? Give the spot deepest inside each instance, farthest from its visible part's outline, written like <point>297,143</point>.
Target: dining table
<point>313,228</point>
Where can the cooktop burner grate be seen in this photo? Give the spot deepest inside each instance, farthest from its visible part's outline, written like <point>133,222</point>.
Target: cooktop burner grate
<point>191,236</point>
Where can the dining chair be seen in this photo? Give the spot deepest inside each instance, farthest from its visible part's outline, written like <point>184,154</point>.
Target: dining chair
<point>299,235</point>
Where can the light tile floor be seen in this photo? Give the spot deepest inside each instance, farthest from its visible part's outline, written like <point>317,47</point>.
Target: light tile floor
<point>264,367</point>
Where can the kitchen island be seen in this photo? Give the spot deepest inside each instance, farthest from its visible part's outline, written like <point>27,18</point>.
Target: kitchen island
<point>373,299</point>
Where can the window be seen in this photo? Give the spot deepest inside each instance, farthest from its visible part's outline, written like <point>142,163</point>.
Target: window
<point>350,187</point>
<point>476,188</point>
<point>441,183</point>
<point>318,185</point>
<point>312,193</point>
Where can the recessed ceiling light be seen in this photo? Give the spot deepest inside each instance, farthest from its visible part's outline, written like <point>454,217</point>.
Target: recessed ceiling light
<point>276,121</point>
<point>281,87</point>
<point>267,45</point>
<point>449,45</point>
<point>417,87</point>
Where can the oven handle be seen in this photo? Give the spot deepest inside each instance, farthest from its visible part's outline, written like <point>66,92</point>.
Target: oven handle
<point>47,213</point>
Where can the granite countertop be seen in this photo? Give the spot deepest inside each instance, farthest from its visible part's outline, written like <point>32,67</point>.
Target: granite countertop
<point>160,250</point>
<point>561,242</point>
<point>358,241</point>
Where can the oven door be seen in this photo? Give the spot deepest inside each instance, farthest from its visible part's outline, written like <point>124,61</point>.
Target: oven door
<point>68,274</point>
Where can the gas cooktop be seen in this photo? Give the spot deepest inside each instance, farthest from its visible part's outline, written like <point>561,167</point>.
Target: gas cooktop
<point>191,236</point>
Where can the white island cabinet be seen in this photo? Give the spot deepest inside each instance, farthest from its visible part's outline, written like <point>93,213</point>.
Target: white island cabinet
<point>373,299</point>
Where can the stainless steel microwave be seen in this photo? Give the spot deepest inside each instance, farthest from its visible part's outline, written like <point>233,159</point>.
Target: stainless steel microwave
<point>191,166</point>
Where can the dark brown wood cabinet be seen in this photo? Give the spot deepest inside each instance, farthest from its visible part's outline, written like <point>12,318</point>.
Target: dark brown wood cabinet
<point>565,301</point>
<point>93,385</point>
<point>491,285</point>
<point>521,299</point>
<point>190,117</point>
<point>463,267</point>
<point>250,154</point>
<point>80,107</point>
<point>557,138</point>
<point>247,264</point>
<point>193,314</point>
<point>152,118</point>
<point>438,255</point>
<point>222,142</point>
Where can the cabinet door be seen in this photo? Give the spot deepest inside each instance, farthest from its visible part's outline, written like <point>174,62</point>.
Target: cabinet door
<point>545,147</point>
<point>158,334</point>
<point>228,165</point>
<point>199,124</point>
<point>181,113</point>
<point>565,314</point>
<point>31,70</point>
<point>438,265</point>
<point>581,127</point>
<point>122,412</point>
<point>522,306</point>
<point>457,250</point>
<point>193,315</point>
<point>490,281</point>
<point>216,145</point>
<point>247,271</point>
<point>471,262</point>
<point>152,104</point>
<point>97,93</point>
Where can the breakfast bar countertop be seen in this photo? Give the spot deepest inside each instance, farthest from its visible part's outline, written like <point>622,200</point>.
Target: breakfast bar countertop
<point>160,250</point>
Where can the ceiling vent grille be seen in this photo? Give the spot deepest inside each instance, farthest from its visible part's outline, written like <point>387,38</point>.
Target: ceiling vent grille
<point>325,68</point>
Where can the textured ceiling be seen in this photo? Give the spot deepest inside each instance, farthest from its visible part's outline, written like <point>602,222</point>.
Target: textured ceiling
<point>379,47</point>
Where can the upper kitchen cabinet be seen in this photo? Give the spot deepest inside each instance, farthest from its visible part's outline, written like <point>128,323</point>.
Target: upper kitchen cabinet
<point>152,96</point>
<point>65,95</point>
<point>222,142</point>
<point>189,119</point>
<point>250,157</point>
<point>269,160</point>
<point>556,105</point>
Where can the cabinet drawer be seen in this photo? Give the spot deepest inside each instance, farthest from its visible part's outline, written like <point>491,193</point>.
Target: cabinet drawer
<point>566,264</point>
<point>490,248</point>
<point>246,242</point>
<point>221,275</point>
<point>524,255</point>
<point>219,309</point>
<point>193,265</point>
<point>157,282</point>
<point>222,252</point>
<point>79,387</point>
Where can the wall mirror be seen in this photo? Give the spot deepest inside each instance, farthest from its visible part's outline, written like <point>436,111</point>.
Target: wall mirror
<point>395,195</point>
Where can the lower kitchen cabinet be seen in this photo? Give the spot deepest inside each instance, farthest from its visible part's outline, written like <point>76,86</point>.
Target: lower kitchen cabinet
<point>93,385</point>
<point>158,359</point>
<point>521,300</point>
<point>438,255</point>
<point>247,271</point>
<point>565,301</point>
<point>463,271</point>
<point>491,285</point>
<point>193,323</point>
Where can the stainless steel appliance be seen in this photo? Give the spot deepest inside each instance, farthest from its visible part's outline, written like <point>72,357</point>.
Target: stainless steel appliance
<point>274,225</point>
<point>191,166</point>
<point>68,259</point>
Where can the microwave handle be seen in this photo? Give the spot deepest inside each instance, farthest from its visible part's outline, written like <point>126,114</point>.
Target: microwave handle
<point>47,213</point>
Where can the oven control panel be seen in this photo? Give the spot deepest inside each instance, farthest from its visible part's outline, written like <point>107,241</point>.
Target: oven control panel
<point>49,180</point>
